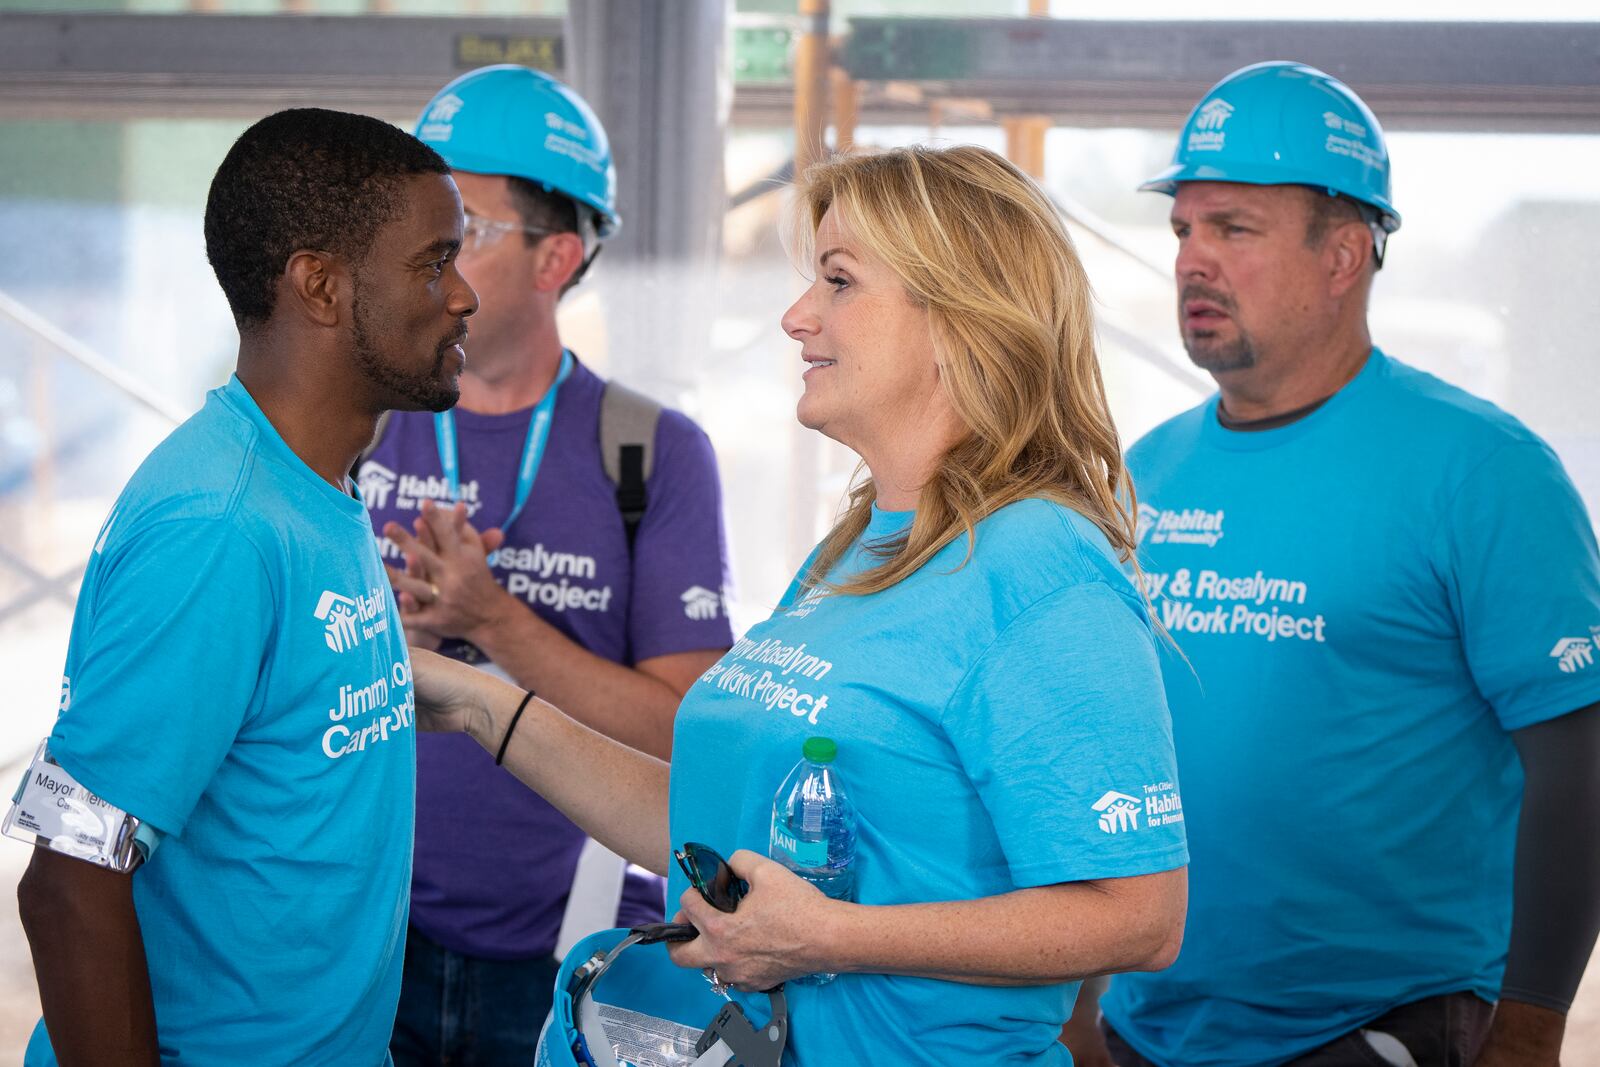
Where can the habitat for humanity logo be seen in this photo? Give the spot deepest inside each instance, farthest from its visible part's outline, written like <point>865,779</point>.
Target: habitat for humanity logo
<point>1189,526</point>
<point>700,603</point>
<point>1207,134</point>
<point>1148,516</point>
<point>1118,812</point>
<point>375,483</point>
<point>1573,654</point>
<point>808,603</point>
<point>439,124</point>
<point>346,620</point>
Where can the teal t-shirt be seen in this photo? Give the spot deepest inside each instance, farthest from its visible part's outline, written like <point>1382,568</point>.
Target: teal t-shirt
<point>1000,725</point>
<point>238,679</point>
<point>1371,598</point>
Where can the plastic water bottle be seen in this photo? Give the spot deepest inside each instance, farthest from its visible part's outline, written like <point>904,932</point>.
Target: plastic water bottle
<point>814,827</point>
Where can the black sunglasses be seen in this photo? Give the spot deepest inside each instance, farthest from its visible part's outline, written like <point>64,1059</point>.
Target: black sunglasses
<point>708,872</point>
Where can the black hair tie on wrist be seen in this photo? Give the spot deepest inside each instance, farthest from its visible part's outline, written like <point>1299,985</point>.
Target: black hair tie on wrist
<point>500,758</point>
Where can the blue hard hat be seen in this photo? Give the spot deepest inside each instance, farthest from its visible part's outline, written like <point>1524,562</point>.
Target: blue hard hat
<point>643,992</point>
<point>512,120</point>
<point>1283,123</point>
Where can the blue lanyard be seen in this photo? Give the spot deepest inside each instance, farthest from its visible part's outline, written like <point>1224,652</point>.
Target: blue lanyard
<point>444,432</point>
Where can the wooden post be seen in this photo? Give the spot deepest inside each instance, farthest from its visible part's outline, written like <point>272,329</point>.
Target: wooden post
<point>846,107</point>
<point>1025,142</point>
<point>811,62</point>
<point>1025,133</point>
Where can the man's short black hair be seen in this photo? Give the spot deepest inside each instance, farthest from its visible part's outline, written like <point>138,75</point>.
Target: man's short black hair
<point>304,178</point>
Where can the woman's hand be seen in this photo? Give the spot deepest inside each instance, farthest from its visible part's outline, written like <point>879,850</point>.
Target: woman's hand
<point>449,694</point>
<point>778,933</point>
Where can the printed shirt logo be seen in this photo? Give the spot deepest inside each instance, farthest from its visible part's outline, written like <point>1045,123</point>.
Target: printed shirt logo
<point>349,619</point>
<point>535,573</point>
<point>410,490</point>
<point>376,482</point>
<point>774,675</point>
<point>1200,600</point>
<point>700,603</point>
<point>340,633</point>
<point>808,603</point>
<point>1207,134</point>
<point>1118,812</point>
<point>1147,519</point>
<point>1255,604</point>
<point>1573,654</point>
<point>1190,526</point>
<point>365,716</point>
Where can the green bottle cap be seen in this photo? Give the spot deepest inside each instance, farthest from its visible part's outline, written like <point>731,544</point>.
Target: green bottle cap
<point>820,749</point>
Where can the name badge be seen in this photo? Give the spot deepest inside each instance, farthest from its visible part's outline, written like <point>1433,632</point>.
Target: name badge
<point>51,808</point>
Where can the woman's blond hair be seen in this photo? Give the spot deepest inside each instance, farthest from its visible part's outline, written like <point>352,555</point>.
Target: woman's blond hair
<point>978,244</point>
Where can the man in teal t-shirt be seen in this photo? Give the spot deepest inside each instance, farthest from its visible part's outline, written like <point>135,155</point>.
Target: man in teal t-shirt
<point>1388,595</point>
<point>237,677</point>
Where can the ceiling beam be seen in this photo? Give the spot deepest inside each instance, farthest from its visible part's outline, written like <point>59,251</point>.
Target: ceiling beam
<point>1476,77</point>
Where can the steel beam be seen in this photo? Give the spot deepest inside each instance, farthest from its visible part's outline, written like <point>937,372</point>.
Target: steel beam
<point>123,66</point>
<point>1428,75</point>
<point>1469,76</point>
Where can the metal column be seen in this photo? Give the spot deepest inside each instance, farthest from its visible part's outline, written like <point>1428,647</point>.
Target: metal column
<point>657,75</point>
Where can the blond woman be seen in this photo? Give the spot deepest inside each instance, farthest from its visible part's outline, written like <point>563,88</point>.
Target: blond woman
<point>966,634</point>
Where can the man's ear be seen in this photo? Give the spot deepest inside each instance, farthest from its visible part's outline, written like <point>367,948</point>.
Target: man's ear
<point>559,257</point>
<point>316,285</point>
<point>1350,256</point>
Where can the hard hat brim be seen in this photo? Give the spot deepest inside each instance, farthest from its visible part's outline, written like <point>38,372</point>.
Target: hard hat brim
<point>1243,174</point>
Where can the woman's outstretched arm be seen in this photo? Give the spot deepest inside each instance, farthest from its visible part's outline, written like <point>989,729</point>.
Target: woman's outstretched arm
<point>615,794</point>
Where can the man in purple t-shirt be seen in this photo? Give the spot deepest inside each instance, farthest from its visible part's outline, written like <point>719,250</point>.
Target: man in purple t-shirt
<point>544,569</point>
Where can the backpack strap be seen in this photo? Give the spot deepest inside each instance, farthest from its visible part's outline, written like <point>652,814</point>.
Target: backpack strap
<point>627,449</point>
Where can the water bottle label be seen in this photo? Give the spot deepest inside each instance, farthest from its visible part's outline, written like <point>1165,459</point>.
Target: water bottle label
<point>800,853</point>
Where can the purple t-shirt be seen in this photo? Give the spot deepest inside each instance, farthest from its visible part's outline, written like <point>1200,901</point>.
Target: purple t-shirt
<point>494,861</point>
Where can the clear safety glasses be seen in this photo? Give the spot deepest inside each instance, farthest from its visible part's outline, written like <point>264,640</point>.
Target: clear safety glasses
<point>479,233</point>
